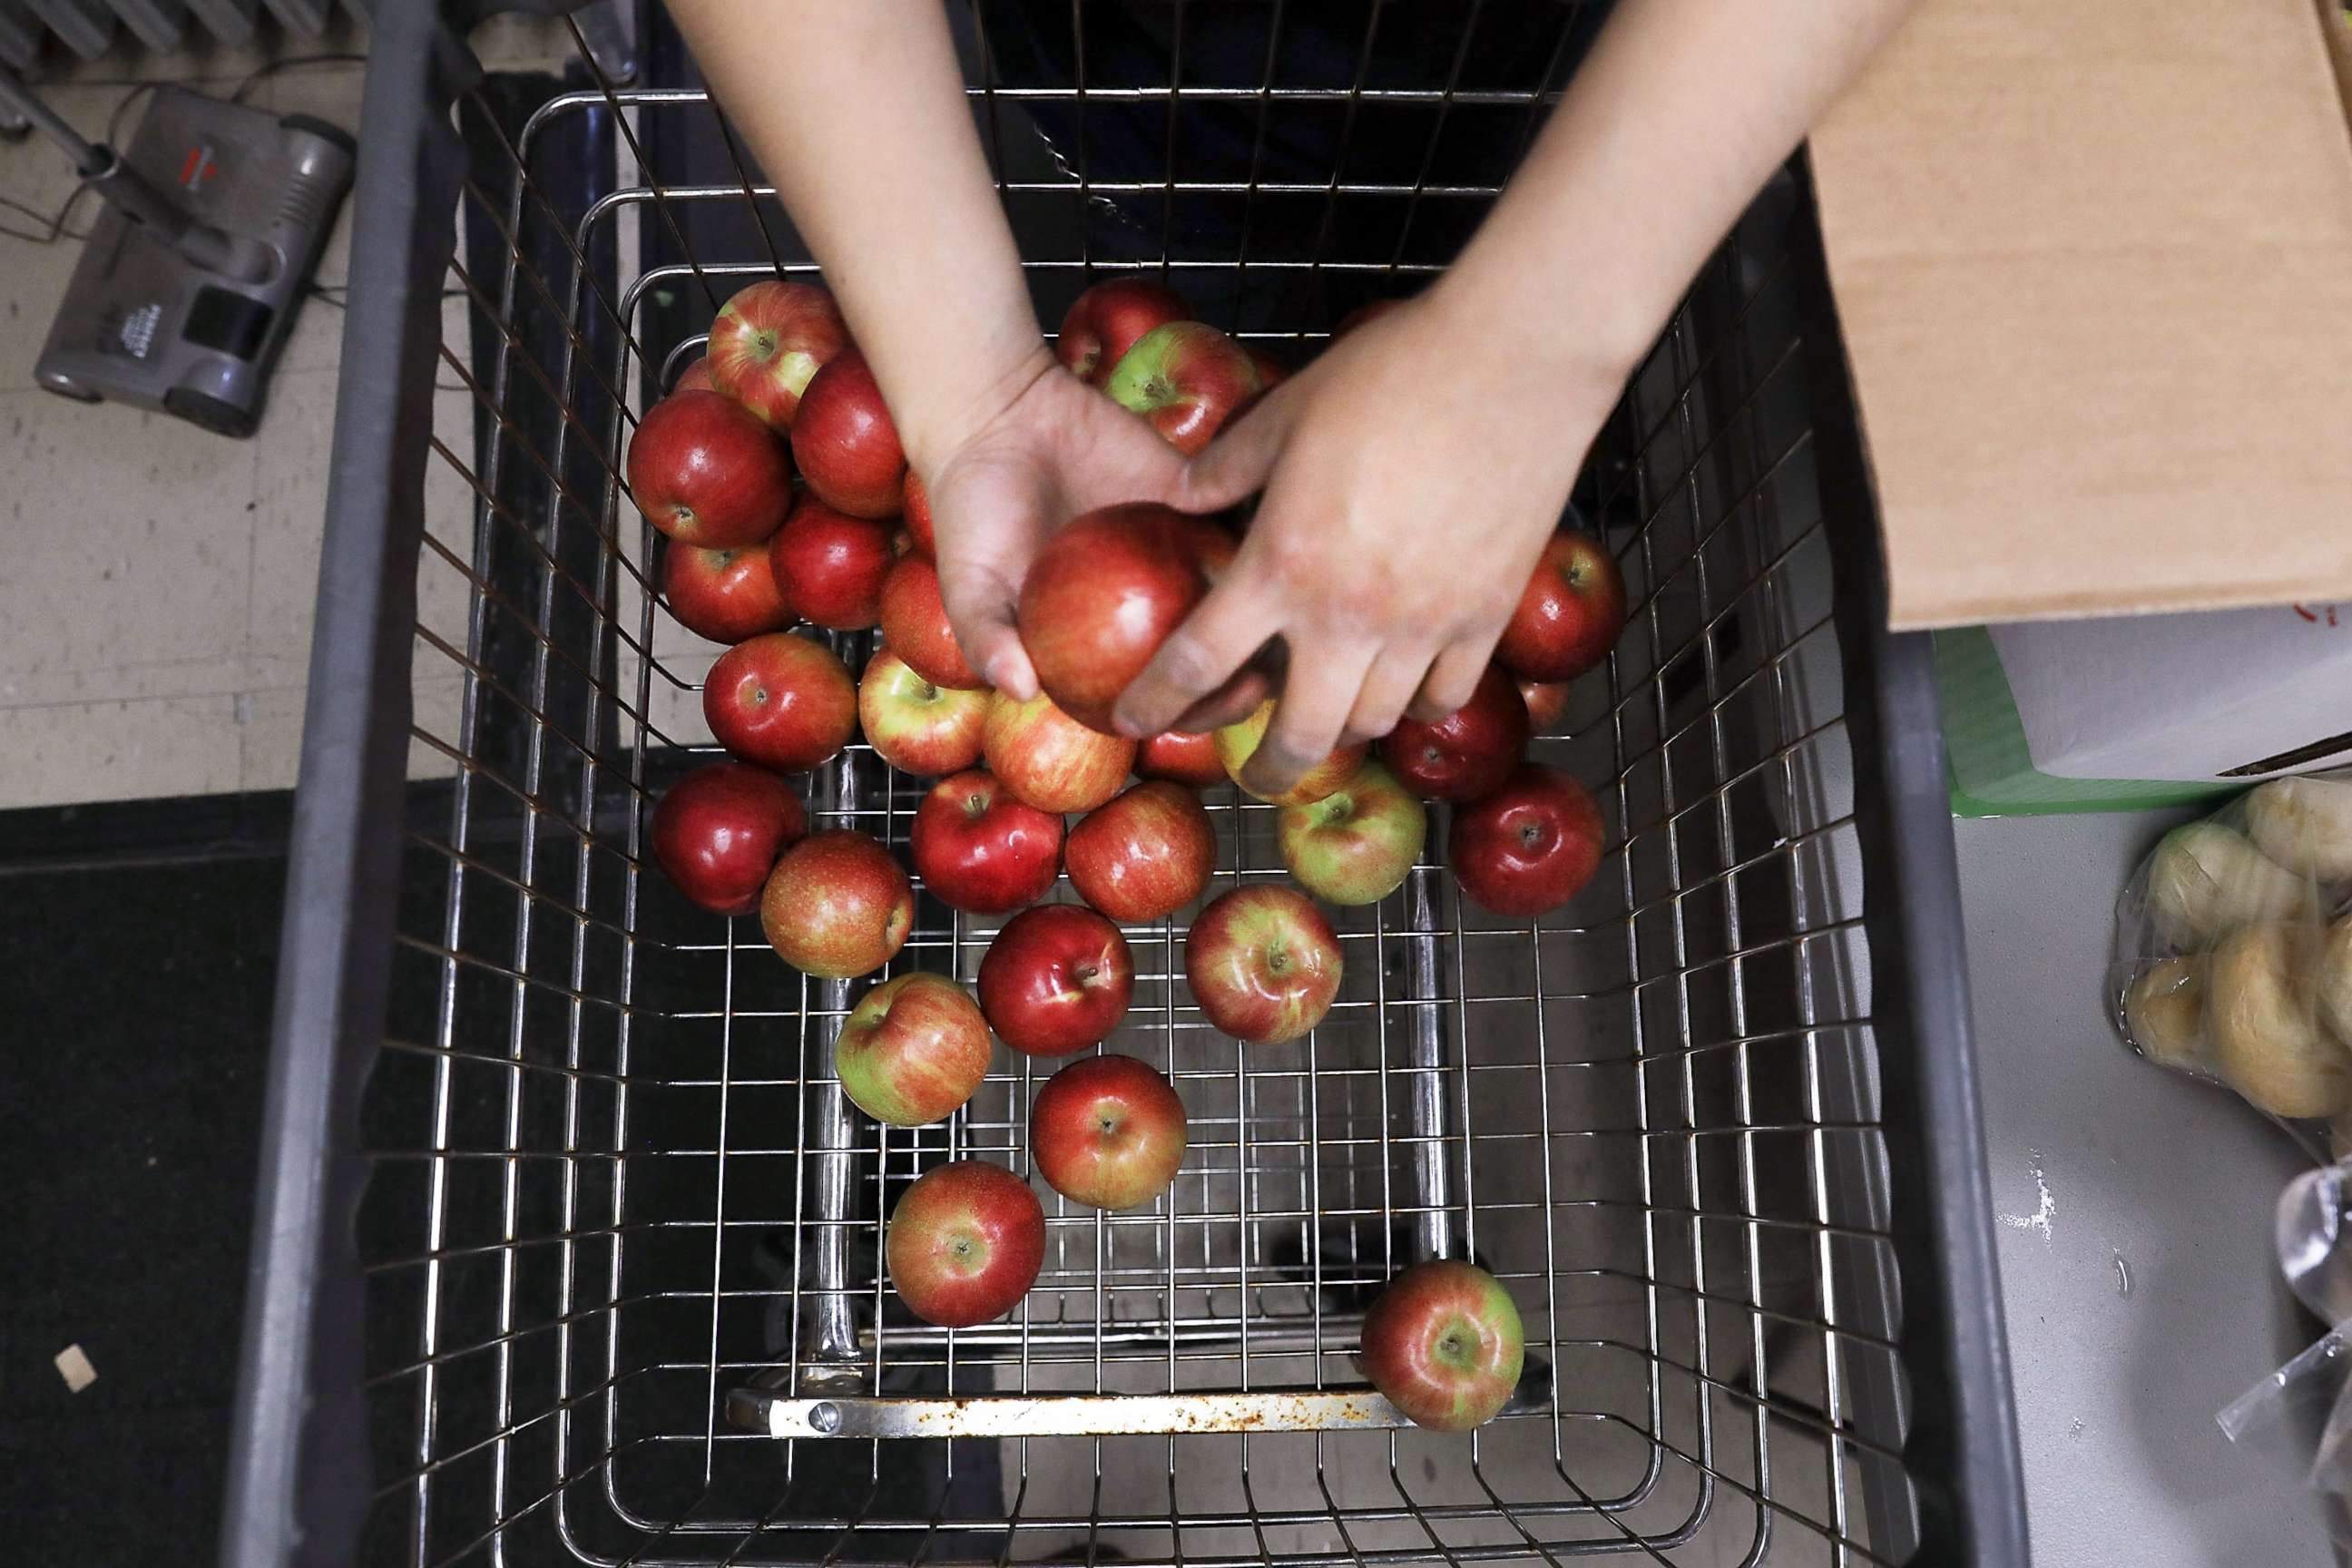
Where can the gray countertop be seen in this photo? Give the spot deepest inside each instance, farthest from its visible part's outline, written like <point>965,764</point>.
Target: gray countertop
<point>2135,1241</point>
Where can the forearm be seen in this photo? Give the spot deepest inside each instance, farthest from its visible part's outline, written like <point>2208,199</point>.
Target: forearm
<point>1680,112</point>
<point>856,110</point>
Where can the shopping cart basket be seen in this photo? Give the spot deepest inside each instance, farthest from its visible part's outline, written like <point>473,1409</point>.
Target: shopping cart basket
<point>568,1245</point>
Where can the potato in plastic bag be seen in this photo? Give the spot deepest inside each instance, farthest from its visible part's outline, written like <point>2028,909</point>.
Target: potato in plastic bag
<point>2233,951</point>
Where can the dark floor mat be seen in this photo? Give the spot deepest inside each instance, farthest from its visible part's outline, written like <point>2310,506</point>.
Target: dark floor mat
<point>134,1023</point>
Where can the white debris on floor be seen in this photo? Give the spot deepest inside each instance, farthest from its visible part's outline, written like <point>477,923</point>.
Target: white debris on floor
<point>75,1368</point>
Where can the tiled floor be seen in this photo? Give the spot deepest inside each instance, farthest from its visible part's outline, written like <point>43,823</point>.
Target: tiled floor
<point>155,598</point>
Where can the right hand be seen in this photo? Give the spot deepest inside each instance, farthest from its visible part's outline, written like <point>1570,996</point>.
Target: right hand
<point>1056,447</point>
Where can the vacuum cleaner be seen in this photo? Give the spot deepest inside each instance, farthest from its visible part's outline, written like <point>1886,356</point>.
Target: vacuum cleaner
<point>214,218</point>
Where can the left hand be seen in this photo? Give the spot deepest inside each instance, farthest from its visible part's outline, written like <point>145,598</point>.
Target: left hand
<point>1411,475</point>
<point>1056,447</point>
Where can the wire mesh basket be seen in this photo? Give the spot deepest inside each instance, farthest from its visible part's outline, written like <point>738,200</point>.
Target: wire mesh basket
<point>615,1292</point>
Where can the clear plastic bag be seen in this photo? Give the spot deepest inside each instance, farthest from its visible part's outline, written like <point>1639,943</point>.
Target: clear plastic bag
<point>2300,1416</point>
<point>2233,954</point>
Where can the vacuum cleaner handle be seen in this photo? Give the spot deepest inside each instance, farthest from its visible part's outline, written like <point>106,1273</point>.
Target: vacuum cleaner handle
<point>238,257</point>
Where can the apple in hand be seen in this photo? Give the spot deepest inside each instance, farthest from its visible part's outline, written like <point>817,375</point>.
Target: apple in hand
<point>965,1244</point>
<point>1546,702</point>
<point>1528,846</point>
<point>915,511</point>
<point>1356,844</point>
<point>1105,321</point>
<point>1442,1342</point>
<point>1470,750</point>
<point>1185,759</point>
<point>914,725</point>
<point>1101,598</point>
<point>915,625</point>
<point>980,850</point>
<point>1569,614</point>
<point>718,832</point>
<point>831,566</point>
<point>769,340</point>
<point>836,906</point>
<point>1108,1131</point>
<point>1057,979</point>
<point>726,594</point>
<point>1144,856</point>
<point>781,701</point>
<point>912,1051</point>
<point>1186,378</point>
<point>705,472</point>
<point>845,443</point>
<point>1049,758</point>
<point>1239,741</point>
<point>1263,963</point>
<point>696,377</point>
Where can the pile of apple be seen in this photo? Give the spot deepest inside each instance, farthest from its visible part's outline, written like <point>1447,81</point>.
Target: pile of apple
<point>750,555</point>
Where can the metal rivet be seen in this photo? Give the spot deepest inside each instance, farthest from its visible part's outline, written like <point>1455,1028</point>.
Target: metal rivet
<point>825,1418</point>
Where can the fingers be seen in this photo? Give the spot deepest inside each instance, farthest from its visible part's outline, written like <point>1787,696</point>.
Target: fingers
<point>1236,699</point>
<point>1317,698</point>
<point>1229,626</point>
<point>1235,465</point>
<point>1450,682</point>
<point>1396,676</point>
<point>980,607</point>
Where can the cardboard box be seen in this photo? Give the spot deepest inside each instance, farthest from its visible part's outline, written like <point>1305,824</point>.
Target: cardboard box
<point>2094,266</point>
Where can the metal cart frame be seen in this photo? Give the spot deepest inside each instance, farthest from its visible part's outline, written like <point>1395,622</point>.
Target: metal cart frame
<point>1715,1123</point>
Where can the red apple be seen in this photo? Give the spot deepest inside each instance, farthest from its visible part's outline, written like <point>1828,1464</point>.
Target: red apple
<point>769,340</point>
<point>1187,378</point>
<point>1470,750</point>
<point>1101,598</point>
<point>1442,1342</point>
<point>915,511</point>
<point>965,1244</point>
<point>831,566</point>
<point>781,701</point>
<point>1263,963</point>
<point>696,377</point>
<point>1546,702</point>
<point>1356,844</point>
<point>1238,741</point>
<point>1528,846</point>
<point>1185,759</point>
<point>844,441</point>
<point>915,625</point>
<point>726,594</point>
<point>1108,1131</point>
<point>1105,321</point>
<point>718,832</point>
<point>980,849</point>
<point>705,472</point>
<point>1144,856</point>
<point>1571,613</point>
<point>1057,979</point>
<point>1271,371</point>
<point>914,725</point>
<point>836,906</point>
<point>1049,758</point>
<point>912,1051</point>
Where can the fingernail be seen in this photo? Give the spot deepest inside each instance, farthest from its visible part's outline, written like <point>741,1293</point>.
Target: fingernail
<point>1123,722</point>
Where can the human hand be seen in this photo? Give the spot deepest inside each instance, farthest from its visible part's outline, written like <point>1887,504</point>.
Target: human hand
<point>1055,448</point>
<point>1411,475</point>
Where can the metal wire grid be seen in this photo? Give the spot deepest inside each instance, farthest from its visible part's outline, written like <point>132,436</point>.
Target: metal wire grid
<point>610,1150</point>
